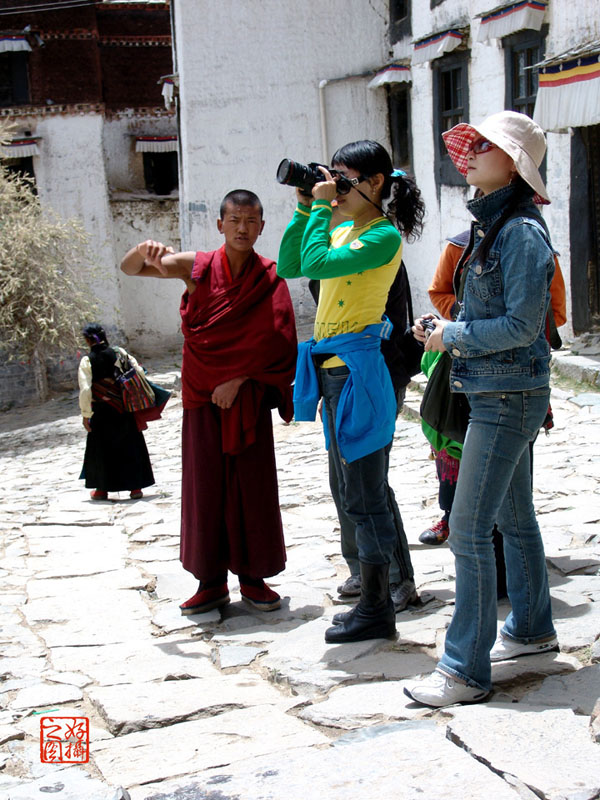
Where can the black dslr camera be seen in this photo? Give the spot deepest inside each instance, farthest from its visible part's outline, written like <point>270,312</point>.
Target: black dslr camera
<point>304,176</point>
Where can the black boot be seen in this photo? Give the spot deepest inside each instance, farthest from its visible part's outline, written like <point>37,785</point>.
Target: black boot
<point>341,617</point>
<point>374,616</point>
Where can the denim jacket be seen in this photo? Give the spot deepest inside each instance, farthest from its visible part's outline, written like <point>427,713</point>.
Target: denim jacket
<point>498,341</point>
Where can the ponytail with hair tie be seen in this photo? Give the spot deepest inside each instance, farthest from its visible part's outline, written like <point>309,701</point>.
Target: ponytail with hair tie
<point>406,208</point>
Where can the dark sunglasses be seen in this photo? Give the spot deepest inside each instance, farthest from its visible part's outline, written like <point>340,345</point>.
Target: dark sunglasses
<point>344,184</point>
<point>481,146</point>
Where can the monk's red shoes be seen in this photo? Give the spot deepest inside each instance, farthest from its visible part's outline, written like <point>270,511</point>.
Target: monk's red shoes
<point>260,597</point>
<point>206,600</point>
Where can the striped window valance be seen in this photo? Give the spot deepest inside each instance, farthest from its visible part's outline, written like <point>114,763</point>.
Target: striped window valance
<point>436,45</point>
<point>155,144</point>
<point>510,18</point>
<point>14,44</point>
<point>569,89</point>
<point>21,148</point>
<point>393,73</point>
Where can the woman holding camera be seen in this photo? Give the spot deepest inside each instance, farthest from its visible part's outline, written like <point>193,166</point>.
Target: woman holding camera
<point>501,360</point>
<point>356,263</point>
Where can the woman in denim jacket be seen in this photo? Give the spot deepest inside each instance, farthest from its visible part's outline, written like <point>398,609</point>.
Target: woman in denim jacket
<point>501,360</point>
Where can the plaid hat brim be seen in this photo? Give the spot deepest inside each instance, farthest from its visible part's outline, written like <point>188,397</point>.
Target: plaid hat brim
<point>458,140</point>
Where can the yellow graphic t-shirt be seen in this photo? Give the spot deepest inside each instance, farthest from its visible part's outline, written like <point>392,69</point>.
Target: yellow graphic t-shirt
<point>348,303</point>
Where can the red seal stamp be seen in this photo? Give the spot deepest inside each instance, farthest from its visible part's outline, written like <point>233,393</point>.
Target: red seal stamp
<point>64,740</point>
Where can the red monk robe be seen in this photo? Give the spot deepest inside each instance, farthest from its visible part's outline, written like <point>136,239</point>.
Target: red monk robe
<point>230,503</point>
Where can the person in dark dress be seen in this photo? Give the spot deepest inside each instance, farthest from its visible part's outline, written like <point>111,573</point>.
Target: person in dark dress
<point>116,458</point>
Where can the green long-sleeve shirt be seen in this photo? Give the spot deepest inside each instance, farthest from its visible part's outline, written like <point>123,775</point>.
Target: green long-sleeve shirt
<point>356,267</point>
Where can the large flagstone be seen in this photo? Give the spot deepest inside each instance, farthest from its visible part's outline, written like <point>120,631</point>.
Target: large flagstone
<point>87,553</point>
<point>409,760</point>
<point>533,668</point>
<point>548,750</point>
<point>70,783</point>
<point>154,704</point>
<point>393,662</point>
<point>351,707</point>
<point>581,560</point>
<point>43,695</point>
<point>89,619</point>
<point>98,586</point>
<point>578,627</point>
<point>154,659</point>
<point>579,691</point>
<point>161,753</point>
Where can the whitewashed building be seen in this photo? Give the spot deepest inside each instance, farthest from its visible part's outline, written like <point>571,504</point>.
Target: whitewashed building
<point>263,80</point>
<point>81,86</point>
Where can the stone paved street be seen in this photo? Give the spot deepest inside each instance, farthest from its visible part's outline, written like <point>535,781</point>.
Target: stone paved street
<point>246,705</point>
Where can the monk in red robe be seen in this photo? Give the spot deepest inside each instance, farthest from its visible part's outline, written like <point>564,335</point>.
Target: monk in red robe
<point>239,357</point>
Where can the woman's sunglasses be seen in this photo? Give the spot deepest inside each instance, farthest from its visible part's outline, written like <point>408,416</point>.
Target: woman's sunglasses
<point>344,184</point>
<point>481,146</point>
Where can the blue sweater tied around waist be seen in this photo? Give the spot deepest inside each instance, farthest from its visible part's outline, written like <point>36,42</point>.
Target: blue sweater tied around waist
<point>366,412</point>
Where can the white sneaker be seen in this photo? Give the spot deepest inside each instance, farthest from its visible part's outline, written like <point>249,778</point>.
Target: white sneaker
<point>504,649</point>
<point>439,689</point>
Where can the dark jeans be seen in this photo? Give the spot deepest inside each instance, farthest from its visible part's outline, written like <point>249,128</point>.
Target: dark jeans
<point>370,522</point>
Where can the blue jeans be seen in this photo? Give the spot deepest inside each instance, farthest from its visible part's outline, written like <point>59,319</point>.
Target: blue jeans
<point>362,484</point>
<point>494,485</point>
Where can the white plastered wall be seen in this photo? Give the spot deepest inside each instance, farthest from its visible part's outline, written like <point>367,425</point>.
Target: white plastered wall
<point>79,156</point>
<point>149,307</point>
<point>71,179</point>
<point>249,97</point>
<point>249,77</point>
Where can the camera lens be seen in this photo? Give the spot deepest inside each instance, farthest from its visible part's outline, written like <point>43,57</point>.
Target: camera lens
<point>302,176</point>
<point>285,170</point>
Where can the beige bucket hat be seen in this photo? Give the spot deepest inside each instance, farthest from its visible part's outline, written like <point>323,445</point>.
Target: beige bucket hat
<point>517,134</point>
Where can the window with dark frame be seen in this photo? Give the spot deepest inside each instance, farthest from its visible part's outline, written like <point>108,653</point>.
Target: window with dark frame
<point>161,173</point>
<point>451,92</point>
<point>400,123</point>
<point>400,23</point>
<point>524,81</point>
<point>451,106</point>
<point>14,81</point>
<point>522,51</point>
